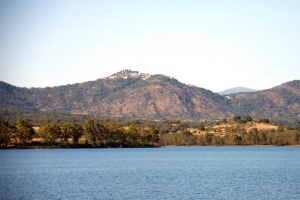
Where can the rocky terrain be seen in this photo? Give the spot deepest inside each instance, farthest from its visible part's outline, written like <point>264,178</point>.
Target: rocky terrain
<point>133,94</point>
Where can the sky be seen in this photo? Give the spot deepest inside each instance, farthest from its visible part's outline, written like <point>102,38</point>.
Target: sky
<point>216,44</point>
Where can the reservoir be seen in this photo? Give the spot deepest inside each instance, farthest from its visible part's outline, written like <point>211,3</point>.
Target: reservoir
<point>237,172</point>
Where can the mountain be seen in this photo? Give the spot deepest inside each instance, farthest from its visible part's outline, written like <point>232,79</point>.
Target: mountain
<point>133,94</point>
<point>236,90</point>
<point>281,102</point>
<point>124,94</point>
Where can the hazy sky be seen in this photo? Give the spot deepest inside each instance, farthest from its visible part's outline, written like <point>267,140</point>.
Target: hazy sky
<point>208,43</point>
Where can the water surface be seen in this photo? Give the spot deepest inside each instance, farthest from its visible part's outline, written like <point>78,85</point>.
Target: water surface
<point>151,173</point>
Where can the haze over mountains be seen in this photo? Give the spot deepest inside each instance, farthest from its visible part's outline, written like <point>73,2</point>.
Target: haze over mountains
<point>236,90</point>
<point>133,94</point>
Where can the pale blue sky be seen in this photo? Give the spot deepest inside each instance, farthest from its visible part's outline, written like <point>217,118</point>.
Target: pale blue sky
<point>211,44</point>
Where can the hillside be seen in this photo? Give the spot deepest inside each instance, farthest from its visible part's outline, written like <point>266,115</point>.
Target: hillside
<point>124,94</point>
<point>281,102</point>
<point>133,94</point>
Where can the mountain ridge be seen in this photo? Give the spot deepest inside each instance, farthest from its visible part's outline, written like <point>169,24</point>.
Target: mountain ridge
<point>132,94</point>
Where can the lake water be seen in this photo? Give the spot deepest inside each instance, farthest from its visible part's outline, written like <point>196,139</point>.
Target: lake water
<point>151,173</point>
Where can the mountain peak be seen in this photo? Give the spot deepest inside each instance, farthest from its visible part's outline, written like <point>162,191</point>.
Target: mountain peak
<point>127,73</point>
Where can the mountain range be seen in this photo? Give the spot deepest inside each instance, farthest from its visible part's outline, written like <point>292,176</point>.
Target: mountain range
<point>236,90</point>
<point>133,94</point>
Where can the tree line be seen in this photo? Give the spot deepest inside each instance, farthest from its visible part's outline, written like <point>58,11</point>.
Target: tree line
<point>71,134</point>
<point>252,137</point>
<point>139,133</point>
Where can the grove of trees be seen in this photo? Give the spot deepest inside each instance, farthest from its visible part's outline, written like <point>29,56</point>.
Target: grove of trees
<point>92,133</point>
<point>89,134</point>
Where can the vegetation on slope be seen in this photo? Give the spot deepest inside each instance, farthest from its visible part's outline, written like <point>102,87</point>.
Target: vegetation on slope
<point>279,103</point>
<point>129,94</point>
<point>156,96</point>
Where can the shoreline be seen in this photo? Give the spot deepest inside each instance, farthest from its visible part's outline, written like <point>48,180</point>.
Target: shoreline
<point>142,147</point>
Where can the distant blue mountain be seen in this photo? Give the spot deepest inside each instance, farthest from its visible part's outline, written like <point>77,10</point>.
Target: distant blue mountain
<point>236,90</point>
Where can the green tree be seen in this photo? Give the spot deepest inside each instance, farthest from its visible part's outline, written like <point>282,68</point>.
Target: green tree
<point>186,133</point>
<point>4,133</point>
<point>217,140</point>
<point>25,131</point>
<point>154,135</point>
<point>145,136</point>
<point>262,137</point>
<point>278,140</point>
<point>236,118</point>
<point>132,135</point>
<point>187,136</point>
<point>264,120</point>
<point>254,134</point>
<point>50,133</point>
<point>65,132</point>
<point>208,138</point>
<point>247,137</point>
<point>118,137</point>
<point>202,127</point>
<point>105,136</point>
<point>247,118</point>
<point>296,137</point>
<point>237,139</point>
<point>280,128</point>
<point>71,130</point>
<point>93,130</point>
<point>76,132</point>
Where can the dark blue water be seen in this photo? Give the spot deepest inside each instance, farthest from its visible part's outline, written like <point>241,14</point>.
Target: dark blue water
<point>160,173</point>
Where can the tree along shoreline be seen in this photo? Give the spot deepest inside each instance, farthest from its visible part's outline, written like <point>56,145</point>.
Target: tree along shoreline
<point>240,131</point>
<point>134,147</point>
<point>79,146</point>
